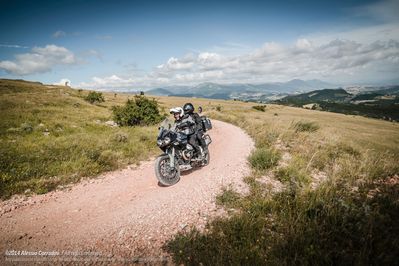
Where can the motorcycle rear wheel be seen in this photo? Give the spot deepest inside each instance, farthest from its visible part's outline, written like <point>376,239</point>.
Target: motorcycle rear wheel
<point>164,173</point>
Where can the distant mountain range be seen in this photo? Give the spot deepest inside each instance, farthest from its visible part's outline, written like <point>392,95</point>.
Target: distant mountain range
<point>244,91</point>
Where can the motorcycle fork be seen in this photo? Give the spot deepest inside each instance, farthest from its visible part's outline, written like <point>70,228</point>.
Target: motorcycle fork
<point>172,157</point>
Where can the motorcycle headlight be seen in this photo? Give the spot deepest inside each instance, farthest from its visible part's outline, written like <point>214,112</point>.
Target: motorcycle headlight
<point>159,142</point>
<point>167,140</point>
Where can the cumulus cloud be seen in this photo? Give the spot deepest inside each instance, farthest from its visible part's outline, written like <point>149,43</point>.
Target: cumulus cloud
<point>39,60</point>
<point>271,62</point>
<point>64,82</point>
<point>176,64</point>
<point>275,61</point>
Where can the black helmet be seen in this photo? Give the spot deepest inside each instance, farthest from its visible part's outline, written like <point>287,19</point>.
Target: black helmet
<point>188,108</point>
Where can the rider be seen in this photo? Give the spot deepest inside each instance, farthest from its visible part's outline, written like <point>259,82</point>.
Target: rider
<point>178,113</point>
<point>184,123</point>
<point>189,110</point>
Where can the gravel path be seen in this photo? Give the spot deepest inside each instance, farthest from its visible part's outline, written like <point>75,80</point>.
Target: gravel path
<point>125,213</point>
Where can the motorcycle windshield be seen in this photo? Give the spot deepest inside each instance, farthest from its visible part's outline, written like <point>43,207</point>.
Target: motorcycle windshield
<point>166,124</point>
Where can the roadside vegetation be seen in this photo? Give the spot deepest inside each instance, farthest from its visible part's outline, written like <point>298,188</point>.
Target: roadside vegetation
<point>51,136</point>
<point>324,189</point>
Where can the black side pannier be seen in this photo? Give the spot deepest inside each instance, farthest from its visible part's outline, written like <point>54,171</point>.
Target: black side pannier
<point>206,123</point>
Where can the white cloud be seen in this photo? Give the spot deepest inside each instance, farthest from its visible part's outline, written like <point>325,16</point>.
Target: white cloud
<point>64,82</point>
<point>335,60</point>
<point>59,34</point>
<point>39,60</point>
<point>352,54</point>
<point>303,44</point>
<point>176,64</point>
<point>369,34</point>
<point>13,46</point>
<point>111,82</point>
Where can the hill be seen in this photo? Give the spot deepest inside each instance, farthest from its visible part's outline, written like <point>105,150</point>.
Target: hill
<point>51,136</point>
<point>328,95</point>
<point>380,103</point>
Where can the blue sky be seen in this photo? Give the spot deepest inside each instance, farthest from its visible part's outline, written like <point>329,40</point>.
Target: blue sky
<point>139,44</point>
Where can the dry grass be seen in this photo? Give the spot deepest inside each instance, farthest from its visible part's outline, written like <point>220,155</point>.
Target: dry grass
<point>312,221</point>
<point>49,135</point>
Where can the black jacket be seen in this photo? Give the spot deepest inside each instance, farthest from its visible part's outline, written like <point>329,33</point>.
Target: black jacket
<point>198,122</point>
<point>187,125</point>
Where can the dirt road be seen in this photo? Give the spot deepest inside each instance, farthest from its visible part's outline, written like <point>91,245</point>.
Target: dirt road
<point>125,213</point>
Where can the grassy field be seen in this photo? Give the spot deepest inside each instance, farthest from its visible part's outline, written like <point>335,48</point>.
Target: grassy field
<point>339,202</point>
<point>50,136</point>
<point>340,198</point>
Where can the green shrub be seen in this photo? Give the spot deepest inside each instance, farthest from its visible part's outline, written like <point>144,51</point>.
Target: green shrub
<point>140,111</point>
<point>264,158</point>
<point>261,108</point>
<point>94,97</point>
<point>218,108</point>
<point>303,126</point>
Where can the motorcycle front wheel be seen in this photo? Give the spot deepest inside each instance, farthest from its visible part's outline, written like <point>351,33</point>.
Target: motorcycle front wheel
<point>165,174</point>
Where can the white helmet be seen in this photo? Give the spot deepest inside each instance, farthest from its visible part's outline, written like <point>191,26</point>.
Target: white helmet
<point>177,110</point>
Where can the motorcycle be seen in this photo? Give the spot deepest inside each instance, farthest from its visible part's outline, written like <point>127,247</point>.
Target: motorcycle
<point>178,155</point>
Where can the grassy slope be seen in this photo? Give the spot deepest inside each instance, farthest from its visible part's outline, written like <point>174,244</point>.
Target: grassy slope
<point>350,218</point>
<point>78,142</point>
<point>363,133</point>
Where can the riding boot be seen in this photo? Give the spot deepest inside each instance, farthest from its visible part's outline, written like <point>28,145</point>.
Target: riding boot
<point>203,145</point>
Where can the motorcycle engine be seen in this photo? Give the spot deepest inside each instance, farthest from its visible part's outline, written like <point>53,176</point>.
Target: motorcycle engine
<point>188,152</point>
